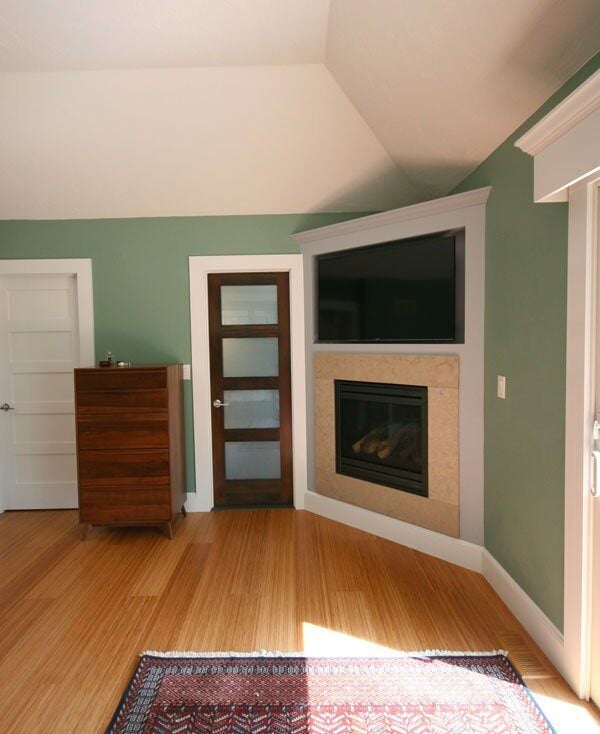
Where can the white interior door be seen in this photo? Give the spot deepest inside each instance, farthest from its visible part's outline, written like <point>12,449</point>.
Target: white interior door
<point>39,347</point>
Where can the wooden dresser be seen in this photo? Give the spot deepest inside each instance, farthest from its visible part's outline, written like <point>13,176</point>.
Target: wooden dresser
<point>130,451</point>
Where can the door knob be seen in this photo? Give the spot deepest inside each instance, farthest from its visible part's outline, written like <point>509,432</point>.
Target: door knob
<point>218,404</point>
<point>5,407</point>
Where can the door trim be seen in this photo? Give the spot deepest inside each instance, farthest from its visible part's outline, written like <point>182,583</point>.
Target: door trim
<point>200,266</point>
<point>579,416</point>
<point>81,268</point>
<point>566,167</point>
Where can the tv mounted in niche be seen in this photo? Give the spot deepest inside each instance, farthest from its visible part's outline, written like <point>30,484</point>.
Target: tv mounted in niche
<point>399,291</point>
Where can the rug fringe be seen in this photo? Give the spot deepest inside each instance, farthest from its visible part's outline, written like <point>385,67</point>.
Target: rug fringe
<point>279,654</point>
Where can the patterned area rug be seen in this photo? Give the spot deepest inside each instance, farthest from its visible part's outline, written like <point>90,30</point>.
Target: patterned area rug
<point>445,693</point>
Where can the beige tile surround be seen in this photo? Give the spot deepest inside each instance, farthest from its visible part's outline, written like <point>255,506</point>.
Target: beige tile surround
<point>440,510</point>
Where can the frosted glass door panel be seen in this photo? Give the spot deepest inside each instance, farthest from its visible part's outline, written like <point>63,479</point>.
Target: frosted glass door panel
<point>248,304</point>
<point>251,408</point>
<point>252,460</point>
<point>251,357</point>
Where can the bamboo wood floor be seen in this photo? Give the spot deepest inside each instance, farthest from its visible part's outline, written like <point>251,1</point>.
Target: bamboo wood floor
<point>75,615</point>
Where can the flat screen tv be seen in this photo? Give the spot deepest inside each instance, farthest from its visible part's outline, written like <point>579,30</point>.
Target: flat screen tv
<point>400,291</point>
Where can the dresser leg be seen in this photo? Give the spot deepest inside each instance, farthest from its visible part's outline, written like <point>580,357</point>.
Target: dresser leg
<point>85,530</point>
<point>168,530</point>
<point>183,511</point>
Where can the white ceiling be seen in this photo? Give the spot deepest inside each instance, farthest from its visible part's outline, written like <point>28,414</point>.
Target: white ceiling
<point>439,82</point>
<point>55,35</point>
<point>442,83</point>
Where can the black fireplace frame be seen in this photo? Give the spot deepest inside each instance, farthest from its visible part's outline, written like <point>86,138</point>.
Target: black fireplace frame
<point>408,481</point>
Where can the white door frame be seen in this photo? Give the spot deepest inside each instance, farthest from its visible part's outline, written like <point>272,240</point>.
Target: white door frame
<point>81,268</point>
<point>566,154</point>
<point>200,266</point>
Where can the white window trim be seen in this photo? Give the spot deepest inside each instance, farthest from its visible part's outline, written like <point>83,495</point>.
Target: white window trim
<point>566,154</point>
<point>200,266</point>
<point>81,268</point>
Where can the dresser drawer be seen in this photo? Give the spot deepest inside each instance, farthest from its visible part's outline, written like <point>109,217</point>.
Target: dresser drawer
<point>122,432</point>
<point>121,401</point>
<point>123,468</point>
<point>123,505</point>
<point>117,378</point>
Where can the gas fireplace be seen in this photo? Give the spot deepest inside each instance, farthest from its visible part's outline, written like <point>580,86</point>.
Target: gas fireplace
<point>381,434</point>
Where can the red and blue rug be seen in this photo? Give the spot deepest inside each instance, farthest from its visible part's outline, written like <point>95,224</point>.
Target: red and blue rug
<point>446,693</point>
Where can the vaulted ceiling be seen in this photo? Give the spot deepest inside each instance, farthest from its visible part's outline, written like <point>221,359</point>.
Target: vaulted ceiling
<point>438,83</point>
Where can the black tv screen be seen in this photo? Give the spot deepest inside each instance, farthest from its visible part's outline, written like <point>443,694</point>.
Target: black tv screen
<point>401,291</point>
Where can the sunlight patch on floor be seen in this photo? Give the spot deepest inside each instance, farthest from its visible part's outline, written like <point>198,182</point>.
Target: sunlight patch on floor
<point>567,718</point>
<point>322,641</point>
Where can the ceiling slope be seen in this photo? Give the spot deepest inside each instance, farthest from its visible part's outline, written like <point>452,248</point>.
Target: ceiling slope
<point>183,142</point>
<point>442,84</point>
<point>38,35</point>
<point>414,95</point>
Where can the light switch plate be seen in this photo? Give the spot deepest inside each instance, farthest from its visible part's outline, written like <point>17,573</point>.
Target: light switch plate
<point>501,387</point>
<point>187,372</point>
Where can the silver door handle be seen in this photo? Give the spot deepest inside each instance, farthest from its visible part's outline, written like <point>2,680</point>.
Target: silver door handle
<point>5,407</point>
<point>218,404</point>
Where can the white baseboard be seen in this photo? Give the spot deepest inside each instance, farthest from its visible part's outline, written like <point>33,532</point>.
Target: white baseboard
<point>196,503</point>
<point>465,554</point>
<point>441,546</point>
<point>468,555</point>
<point>543,631</point>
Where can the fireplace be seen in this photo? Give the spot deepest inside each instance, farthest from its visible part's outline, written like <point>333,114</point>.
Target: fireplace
<point>381,434</point>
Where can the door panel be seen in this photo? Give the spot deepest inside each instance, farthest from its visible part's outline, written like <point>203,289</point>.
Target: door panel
<point>250,382</point>
<point>39,347</point>
<point>251,408</point>
<point>251,357</point>
<point>248,304</point>
<point>252,460</point>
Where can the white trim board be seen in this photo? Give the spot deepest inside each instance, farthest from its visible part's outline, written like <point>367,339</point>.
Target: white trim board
<point>462,553</point>
<point>564,117</point>
<point>567,168</point>
<point>540,627</point>
<point>564,143</point>
<point>454,550</point>
<point>200,266</point>
<point>81,268</point>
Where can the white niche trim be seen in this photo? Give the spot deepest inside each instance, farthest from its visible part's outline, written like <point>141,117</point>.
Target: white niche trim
<point>458,212</point>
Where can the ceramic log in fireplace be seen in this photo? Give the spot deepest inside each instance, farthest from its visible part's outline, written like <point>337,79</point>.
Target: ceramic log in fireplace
<point>381,434</point>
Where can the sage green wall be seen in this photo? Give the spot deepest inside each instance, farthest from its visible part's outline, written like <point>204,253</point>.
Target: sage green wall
<point>525,339</point>
<point>140,272</point>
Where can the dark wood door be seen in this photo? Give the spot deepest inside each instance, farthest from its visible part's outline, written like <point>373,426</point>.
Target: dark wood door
<point>249,328</point>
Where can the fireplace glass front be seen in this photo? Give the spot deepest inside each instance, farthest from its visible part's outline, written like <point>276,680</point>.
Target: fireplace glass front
<point>381,434</point>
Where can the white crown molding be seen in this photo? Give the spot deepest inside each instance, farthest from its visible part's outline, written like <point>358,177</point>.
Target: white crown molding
<point>571,111</point>
<point>395,216</point>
